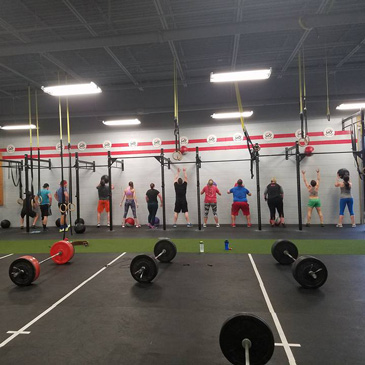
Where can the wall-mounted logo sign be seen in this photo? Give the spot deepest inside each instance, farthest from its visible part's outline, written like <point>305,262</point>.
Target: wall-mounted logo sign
<point>10,148</point>
<point>238,137</point>
<point>184,141</point>
<point>58,146</point>
<point>211,139</point>
<point>133,143</point>
<point>268,136</point>
<point>107,145</point>
<point>156,142</point>
<point>82,145</point>
<point>329,132</point>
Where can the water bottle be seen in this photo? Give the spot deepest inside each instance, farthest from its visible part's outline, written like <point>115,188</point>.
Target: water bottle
<point>201,246</point>
<point>226,245</point>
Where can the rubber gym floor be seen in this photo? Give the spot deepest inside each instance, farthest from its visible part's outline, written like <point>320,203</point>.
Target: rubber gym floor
<point>91,311</point>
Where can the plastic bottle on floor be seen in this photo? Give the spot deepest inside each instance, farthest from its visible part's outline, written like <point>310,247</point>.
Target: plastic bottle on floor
<point>201,247</point>
<point>226,245</point>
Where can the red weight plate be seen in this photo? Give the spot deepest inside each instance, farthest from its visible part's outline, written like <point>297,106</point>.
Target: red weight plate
<point>35,263</point>
<point>67,251</point>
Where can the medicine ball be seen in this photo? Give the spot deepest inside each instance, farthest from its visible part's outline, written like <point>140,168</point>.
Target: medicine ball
<point>129,222</point>
<point>105,178</point>
<point>5,224</point>
<point>183,150</point>
<point>343,172</point>
<point>79,220</point>
<point>309,151</point>
<point>79,228</point>
<point>58,222</point>
<point>157,221</point>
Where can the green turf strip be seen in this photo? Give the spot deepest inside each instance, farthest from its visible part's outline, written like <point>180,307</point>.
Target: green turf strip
<point>314,247</point>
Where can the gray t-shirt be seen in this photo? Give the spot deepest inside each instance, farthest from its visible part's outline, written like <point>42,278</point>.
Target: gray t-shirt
<point>345,192</point>
<point>103,192</point>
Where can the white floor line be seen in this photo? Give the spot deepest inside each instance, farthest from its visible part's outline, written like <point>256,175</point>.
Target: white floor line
<point>10,254</point>
<point>53,306</point>
<point>282,336</point>
<point>290,344</point>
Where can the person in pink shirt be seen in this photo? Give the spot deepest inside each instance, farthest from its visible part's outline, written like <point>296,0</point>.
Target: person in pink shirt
<point>211,190</point>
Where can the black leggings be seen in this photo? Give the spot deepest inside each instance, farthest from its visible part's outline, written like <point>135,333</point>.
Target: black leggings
<point>152,209</point>
<point>276,203</point>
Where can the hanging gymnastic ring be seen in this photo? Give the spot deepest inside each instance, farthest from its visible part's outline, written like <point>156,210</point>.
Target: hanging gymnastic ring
<point>63,208</point>
<point>20,201</point>
<point>177,155</point>
<point>304,141</point>
<point>71,207</point>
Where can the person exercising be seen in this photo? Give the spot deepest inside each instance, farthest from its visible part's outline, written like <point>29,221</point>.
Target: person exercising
<point>61,195</point>
<point>130,197</point>
<point>30,201</point>
<point>274,195</point>
<point>346,199</point>
<point>104,201</point>
<point>314,201</point>
<point>240,202</point>
<point>181,204</point>
<point>45,204</point>
<point>210,201</point>
<point>152,204</point>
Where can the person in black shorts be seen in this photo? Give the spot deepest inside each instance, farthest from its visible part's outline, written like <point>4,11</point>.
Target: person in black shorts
<point>181,205</point>
<point>274,195</point>
<point>31,200</point>
<point>45,200</point>
<point>152,204</point>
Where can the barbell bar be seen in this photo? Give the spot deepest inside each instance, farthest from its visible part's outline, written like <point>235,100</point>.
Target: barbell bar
<point>308,271</point>
<point>144,269</point>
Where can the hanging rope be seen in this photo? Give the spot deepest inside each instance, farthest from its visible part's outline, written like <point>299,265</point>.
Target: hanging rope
<point>30,140</point>
<point>71,206</point>
<point>304,98</point>
<point>38,150</point>
<point>176,111</point>
<point>327,92</point>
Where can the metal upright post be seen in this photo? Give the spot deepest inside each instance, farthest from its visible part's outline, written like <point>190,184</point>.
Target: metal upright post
<point>257,160</point>
<point>110,189</point>
<point>362,112</point>
<point>39,170</point>
<point>162,160</point>
<point>198,164</point>
<point>27,200</point>
<point>77,195</point>
<point>297,164</point>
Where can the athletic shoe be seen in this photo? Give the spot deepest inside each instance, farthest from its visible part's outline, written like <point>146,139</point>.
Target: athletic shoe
<point>217,225</point>
<point>174,226</point>
<point>67,227</point>
<point>283,225</point>
<point>189,225</point>
<point>339,225</point>
<point>249,225</point>
<point>233,225</point>
<point>108,224</point>
<point>98,225</point>
<point>204,225</point>
<point>21,227</point>
<point>61,230</point>
<point>308,225</point>
<point>353,225</point>
<point>138,226</point>
<point>322,225</point>
<point>45,229</point>
<point>123,226</point>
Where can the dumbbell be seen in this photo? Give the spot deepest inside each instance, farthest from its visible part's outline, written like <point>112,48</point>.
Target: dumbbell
<point>246,339</point>
<point>308,271</point>
<point>26,269</point>
<point>144,269</point>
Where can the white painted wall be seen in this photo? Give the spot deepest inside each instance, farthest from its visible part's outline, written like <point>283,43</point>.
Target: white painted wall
<point>144,171</point>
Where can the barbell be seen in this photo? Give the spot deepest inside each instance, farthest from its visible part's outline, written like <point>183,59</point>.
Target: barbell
<point>308,271</point>
<point>246,339</point>
<point>144,269</point>
<point>26,269</point>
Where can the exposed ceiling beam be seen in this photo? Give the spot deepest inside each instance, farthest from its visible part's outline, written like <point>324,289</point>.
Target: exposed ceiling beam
<point>83,21</point>
<point>237,37</point>
<point>349,55</point>
<point>304,36</point>
<point>32,82</point>
<point>247,27</point>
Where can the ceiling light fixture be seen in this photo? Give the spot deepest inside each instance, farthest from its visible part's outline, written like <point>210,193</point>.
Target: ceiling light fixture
<point>241,76</point>
<point>18,127</point>
<point>233,115</point>
<point>75,89</point>
<point>121,122</point>
<point>351,106</point>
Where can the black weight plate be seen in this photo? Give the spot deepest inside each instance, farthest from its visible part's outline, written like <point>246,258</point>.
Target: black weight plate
<point>278,249</point>
<point>149,272</point>
<point>302,269</point>
<point>22,272</point>
<point>240,326</point>
<point>168,246</point>
<point>79,220</point>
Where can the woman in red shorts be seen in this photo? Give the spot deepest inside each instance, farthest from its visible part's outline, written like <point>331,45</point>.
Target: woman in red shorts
<point>240,202</point>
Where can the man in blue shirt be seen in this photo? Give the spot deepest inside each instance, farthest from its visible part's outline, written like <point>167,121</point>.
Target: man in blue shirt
<point>61,196</point>
<point>45,199</point>
<point>240,202</point>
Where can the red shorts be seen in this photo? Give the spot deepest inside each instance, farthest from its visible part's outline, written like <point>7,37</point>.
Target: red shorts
<point>237,206</point>
<point>103,204</point>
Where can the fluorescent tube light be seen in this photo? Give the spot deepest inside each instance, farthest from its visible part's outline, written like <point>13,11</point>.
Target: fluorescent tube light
<point>241,76</point>
<point>122,122</point>
<point>75,89</point>
<point>18,127</point>
<point>233,115</point>
<point>350,106</point>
